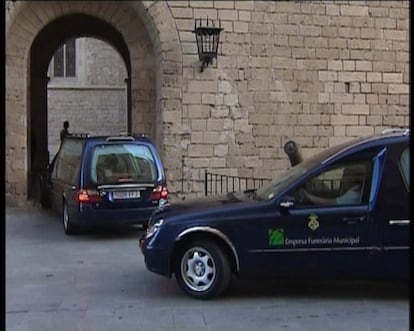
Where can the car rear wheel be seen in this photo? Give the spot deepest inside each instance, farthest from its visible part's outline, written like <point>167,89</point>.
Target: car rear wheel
<point>203,270</point>
<point>68,227</point>
<point>44,194</point>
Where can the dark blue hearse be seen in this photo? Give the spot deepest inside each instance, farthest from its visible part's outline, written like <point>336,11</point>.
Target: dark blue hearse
<point>343,213</point>
<point>101,181</point>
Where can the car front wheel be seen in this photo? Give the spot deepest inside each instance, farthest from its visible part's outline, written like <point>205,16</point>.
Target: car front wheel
<point>203,270</point>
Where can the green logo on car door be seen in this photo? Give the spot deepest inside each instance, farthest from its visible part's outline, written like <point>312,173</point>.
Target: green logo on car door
<point>276,237</point>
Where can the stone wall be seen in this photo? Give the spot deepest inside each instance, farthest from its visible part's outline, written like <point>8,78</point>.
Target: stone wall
<point>95,111</point>
<point>318,72</point>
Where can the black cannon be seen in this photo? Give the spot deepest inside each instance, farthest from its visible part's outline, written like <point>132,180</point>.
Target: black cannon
<point>292,151</point>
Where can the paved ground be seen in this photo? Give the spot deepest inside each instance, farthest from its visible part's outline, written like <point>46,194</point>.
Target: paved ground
<point>98,281</point>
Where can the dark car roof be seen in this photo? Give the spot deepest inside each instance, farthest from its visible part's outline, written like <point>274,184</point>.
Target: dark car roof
<point>109,138</point>
<point>359,143</point>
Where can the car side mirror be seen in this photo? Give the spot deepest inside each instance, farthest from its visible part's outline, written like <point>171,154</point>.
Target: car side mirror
<point>287,202</point>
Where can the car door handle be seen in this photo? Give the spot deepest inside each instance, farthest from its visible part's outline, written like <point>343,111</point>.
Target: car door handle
<point>353,220</point>
<point>399,222</point>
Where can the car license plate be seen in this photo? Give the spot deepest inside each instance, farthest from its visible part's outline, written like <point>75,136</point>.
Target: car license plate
<point>126,195</point>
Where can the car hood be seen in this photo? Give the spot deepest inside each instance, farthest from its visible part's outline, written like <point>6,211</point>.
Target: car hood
<point>206,206</point>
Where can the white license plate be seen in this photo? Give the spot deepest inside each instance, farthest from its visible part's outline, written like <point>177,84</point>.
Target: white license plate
<point>126,195</point>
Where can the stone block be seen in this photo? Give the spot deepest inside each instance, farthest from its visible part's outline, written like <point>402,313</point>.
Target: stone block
<point>202,86</point>
<point>228,15</point>
<point>200,150</point>
<point>201,4</point>
<point>395,35</point>
<point>359,131</point>
<point>359,109</point>
<point>241,27</point>
<point>332,10</point>
<point>380,88</point>
<point>217,162</point>
<point>244,5</point>
<point>392,77</point>
<point>208,99</point>
<point>221,150</point>
<point>198,124</point>
<point>204,13</point>
<point>328,75</point>
<point>211,137</point>
<point>352,10</point>
<point>399,88</point>
<point>352,76</point>
<point>374,77</point>
<point>342,119</point>
<point>179,12</point>
<point>191,98</point>
<point>198,111</point>
<point>363,65</point>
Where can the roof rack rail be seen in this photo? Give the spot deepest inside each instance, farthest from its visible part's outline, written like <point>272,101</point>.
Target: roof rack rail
<point>79,134</point>
<point>115,138</point>
<point>404,131</point>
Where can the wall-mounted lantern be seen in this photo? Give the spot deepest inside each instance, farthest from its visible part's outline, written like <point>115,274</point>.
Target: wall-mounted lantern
<point>208,37</point>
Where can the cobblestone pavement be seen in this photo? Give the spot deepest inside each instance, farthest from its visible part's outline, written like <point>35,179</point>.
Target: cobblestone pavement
<point>98,281</point>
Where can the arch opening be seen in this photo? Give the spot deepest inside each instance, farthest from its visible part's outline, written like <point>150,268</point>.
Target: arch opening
<point>87,86</point>
<point>49,39</point>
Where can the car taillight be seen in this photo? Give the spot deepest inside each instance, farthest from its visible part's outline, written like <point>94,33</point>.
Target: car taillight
<point>159,192</point>
<point>89,196</point>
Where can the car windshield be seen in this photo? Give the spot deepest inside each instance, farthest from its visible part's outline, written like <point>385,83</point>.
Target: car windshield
<point>123,162</point>
<point>270,190</point>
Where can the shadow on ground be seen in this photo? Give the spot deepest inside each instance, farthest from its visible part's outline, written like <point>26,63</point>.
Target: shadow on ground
<point>341,289</point>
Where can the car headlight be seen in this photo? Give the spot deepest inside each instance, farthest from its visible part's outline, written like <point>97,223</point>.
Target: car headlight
<point>153,228</point>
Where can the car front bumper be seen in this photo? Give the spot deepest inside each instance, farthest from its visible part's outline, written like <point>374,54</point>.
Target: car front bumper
<point>157,259</point>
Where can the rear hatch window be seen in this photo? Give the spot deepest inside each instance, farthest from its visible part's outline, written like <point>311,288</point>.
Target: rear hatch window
<point>123,163</point>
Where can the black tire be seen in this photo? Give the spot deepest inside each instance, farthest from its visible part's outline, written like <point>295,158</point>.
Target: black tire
<point>45,201</point>
<point>202,269</point>
<point>68,226</point>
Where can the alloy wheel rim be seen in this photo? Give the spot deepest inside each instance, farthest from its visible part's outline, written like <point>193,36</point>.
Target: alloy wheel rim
<point>198,269</point>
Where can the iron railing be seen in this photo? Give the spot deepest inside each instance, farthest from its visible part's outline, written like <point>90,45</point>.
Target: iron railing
<point>220,184</point>
<point>215,184</point>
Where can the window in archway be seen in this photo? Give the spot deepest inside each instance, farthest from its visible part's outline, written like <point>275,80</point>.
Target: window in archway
<point>64,60</point>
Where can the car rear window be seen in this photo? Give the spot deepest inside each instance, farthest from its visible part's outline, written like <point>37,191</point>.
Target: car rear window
<point>122,162</point>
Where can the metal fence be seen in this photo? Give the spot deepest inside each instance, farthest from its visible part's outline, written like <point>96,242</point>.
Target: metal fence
<point>220,184</point>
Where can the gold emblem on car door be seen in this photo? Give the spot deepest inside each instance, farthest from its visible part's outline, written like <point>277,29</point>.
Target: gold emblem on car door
<point>313,223</point>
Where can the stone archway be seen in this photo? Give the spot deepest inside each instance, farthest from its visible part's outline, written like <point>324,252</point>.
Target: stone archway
<point>143,33</point>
